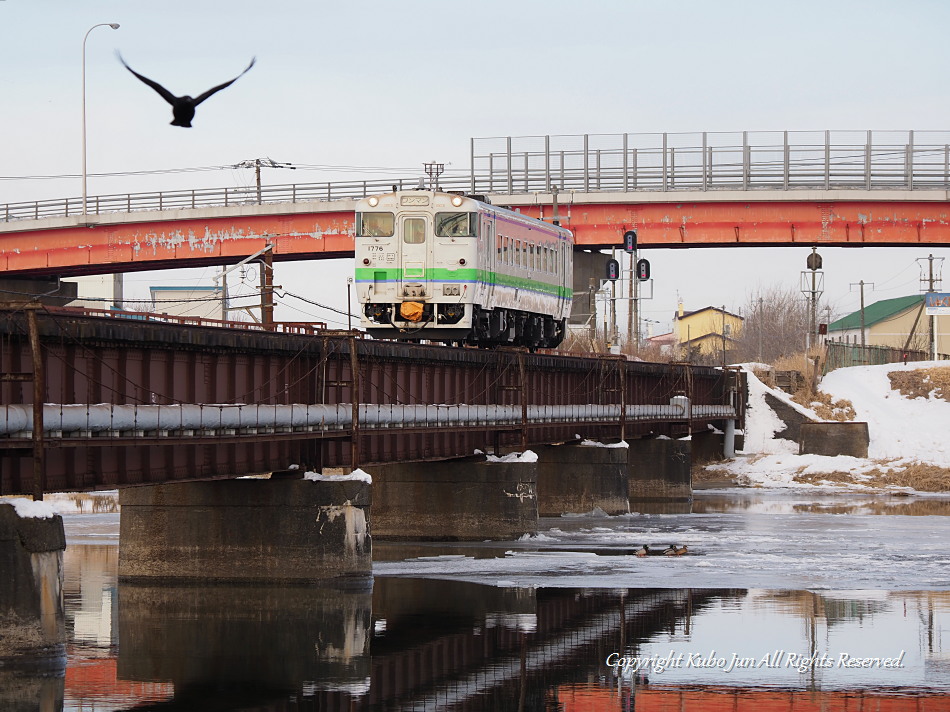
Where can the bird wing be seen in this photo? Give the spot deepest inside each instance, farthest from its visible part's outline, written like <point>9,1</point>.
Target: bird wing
<point>201,97</point>
<point>165,94</point>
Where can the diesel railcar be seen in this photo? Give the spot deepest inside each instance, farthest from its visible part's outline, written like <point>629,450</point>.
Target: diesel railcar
<point>456,269</point>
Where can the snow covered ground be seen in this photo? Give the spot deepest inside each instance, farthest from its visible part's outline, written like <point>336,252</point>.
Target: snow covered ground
<point>902,430</point>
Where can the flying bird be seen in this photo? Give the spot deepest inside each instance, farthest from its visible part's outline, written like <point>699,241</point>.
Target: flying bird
<point>183,107</point>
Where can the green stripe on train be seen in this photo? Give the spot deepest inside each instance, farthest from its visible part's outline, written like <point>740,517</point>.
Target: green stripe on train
<point>441,274</point>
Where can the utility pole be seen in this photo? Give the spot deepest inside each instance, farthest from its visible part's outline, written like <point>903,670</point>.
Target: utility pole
<point>724,336</point>
<point>256,164</point>
<point>758,321</point>
<point>267,289</point>
<point>862,285</point>
<point>932,281</point>
<point>267,284</point>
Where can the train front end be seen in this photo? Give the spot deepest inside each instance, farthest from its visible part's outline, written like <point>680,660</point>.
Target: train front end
<point>416,265</point>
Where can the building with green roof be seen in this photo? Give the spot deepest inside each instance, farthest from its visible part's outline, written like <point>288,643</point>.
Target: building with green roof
<point>888,323</point>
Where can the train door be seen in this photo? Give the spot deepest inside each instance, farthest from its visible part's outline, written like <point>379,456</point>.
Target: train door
<point>487,247</point>
<point>413,231</point>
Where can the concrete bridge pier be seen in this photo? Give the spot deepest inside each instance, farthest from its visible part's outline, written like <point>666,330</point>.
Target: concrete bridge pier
<point>247,531</point>
<point>659,471</point>
<point>455,500</point>
<point>715,445</point>
<point>32,616</point>
<point>581,478</point>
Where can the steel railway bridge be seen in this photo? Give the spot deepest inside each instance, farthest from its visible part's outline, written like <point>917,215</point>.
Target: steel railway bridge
<point>94,402</point>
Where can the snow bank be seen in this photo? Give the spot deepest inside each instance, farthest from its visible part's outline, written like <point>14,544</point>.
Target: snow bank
<point>910,428</point>
<point>762,423</point>
<point>902,430</point>
<point>526,456</point>
<point>356,475</point>
<point>594,443</point>
<point>29,509</point>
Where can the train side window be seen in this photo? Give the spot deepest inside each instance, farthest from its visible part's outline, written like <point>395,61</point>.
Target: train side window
<point>414,231</point>
<point>455,224</point>
<point>376,224</point>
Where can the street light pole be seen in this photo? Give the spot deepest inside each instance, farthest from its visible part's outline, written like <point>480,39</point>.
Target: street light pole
<point>114,26</point>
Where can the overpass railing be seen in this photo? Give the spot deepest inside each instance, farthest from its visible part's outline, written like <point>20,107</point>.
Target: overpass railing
<point>590,163</point>
<point>747,160</point>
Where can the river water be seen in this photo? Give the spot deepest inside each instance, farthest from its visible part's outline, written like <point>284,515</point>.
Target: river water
<point>783,601</point>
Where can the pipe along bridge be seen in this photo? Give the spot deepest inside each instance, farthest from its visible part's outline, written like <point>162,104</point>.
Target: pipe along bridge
<point>93,401</point>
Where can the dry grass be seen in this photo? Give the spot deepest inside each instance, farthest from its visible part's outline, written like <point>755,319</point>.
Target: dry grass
<point>94,502</point>
<point>700,473</point>
<point>825,408</point>
<point>921,382</point>
<point>766,376</point>
<point>920,476</point>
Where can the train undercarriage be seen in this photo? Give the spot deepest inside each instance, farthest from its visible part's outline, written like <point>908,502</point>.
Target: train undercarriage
<point>488,327</point>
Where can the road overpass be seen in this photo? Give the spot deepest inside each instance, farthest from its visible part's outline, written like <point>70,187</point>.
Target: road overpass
<point>847,189</point>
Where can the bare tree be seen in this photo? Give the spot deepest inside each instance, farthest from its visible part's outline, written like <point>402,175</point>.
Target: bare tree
<point>776,323</point>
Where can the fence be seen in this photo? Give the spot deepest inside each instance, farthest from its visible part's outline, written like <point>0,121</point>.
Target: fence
<point>841,355</point>
<point>747,160</point>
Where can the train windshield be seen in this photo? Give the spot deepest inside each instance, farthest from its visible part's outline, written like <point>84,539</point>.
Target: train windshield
<point>455,224</point>
<point>376,224</point>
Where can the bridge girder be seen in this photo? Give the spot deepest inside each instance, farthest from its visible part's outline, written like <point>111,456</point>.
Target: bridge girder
<point>126,242</point>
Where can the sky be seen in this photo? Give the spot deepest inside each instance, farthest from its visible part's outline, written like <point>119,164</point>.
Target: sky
<point>374,89</point>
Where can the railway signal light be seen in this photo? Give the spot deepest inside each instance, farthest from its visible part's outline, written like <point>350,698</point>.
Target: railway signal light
<point>643,270</point>
<point>630,241</point>
<point>613,270</point>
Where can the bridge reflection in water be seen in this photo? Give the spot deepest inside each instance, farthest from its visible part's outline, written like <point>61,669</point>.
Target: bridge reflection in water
<point>414,644</point>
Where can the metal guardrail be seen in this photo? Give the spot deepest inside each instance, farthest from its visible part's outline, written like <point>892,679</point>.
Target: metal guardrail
<point>748,160</point>
<point>282,327</point>
<point>707,161</point>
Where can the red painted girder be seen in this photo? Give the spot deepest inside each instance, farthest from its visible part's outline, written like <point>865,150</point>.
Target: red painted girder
<point>748,224</point>
<point>175,243</point>
<point>297,236</point>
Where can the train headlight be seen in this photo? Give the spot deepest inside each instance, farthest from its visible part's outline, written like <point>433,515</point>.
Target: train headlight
<point>373,202</point>
<point>366,260</point>
<point>462,261</point>
<point>457,200</point>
